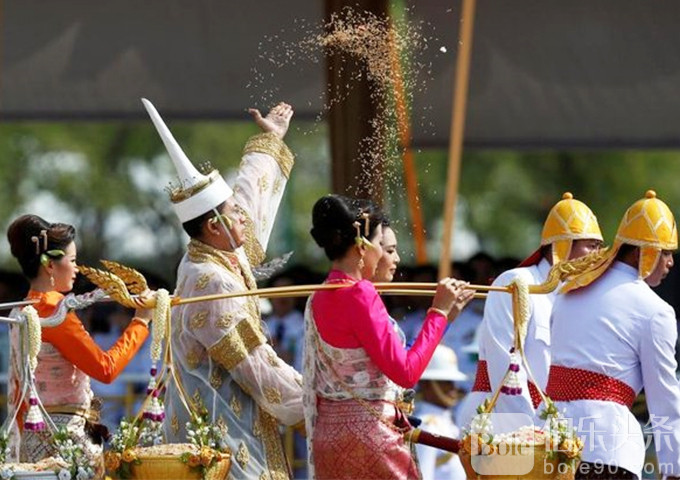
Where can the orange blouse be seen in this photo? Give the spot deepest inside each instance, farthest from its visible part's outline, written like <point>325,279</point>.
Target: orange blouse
<point>76,345</point>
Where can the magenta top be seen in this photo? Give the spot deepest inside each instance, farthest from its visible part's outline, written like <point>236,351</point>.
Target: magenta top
<point>355,317</point>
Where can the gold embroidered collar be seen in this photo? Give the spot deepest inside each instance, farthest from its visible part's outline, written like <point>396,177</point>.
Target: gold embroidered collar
<point>200,252</point>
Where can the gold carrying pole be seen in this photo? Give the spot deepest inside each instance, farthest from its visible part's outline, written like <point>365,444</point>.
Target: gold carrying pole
<point>118,289</point>
<point>403,288</point>
<point>397,288</point>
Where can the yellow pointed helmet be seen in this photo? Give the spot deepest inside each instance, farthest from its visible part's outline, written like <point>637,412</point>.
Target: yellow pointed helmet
<point>568,220</point>
<point>648,224</point>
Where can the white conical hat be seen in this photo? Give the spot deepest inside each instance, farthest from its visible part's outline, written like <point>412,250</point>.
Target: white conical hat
<point>197,193</point>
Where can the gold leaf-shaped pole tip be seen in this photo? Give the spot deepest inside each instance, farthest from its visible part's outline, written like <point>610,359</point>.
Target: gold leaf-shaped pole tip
<point>110,283</point>
<point>135,281</point>
<point>568,269</point>
<point>572,268</point>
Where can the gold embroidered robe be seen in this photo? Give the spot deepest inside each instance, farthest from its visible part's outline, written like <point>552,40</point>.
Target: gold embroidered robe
<point>224,360</point>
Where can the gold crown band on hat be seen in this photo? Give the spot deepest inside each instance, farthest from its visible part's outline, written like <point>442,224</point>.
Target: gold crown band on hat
<point>179,193</point>
<point>197,193</point>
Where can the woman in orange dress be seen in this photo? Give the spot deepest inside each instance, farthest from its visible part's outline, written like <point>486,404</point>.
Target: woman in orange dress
<point>68,356</point>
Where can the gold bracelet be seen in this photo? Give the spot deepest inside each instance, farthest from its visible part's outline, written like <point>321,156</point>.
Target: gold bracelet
<point>438,310</point>
<point>141,320</point>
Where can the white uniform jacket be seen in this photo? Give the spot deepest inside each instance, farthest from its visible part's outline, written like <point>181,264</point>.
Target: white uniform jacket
<point>496,337</point>
<point>619,327</point>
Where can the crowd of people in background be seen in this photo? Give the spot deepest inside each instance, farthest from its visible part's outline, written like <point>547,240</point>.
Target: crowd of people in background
<point>344,365</point>
<point>284,322</point>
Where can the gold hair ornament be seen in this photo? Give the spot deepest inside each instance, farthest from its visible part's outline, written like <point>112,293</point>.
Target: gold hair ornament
<point>359,239</point>
<point>367,223</point>
<point>35,240</point>
<point>43,235</point>
<point>50,254</point>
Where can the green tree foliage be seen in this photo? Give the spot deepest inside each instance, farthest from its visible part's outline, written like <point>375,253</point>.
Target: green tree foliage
<point>108,179</point>
<point>507,194</point>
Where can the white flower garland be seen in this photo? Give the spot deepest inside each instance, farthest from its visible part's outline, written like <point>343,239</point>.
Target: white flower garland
<point>80,467</point>
<point>34,335</point>
<point>150,433</point>
<point>481,425</point>
<point>160,317</point>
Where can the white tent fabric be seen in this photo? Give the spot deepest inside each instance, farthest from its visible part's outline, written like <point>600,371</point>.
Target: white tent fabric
<point>556,74</point>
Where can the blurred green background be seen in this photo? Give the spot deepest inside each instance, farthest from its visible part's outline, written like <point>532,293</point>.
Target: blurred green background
<point>109,180</point>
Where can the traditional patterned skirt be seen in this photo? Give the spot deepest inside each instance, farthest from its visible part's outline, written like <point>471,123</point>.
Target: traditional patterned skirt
<point>38,445</point>
<point>350,442</point>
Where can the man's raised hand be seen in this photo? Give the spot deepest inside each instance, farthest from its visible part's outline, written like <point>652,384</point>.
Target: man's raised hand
<point>276,121</point>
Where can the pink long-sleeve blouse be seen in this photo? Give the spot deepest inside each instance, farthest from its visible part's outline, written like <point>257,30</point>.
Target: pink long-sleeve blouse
<point>356,317</point>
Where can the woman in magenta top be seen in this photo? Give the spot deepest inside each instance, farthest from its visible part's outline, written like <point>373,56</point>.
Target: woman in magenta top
<point>355,362</point>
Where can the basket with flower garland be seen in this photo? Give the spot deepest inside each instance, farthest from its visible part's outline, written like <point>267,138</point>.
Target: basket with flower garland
<point>69,461</point>
<point>137,450</point>
<point>554,449</point>
<point>134,455</point>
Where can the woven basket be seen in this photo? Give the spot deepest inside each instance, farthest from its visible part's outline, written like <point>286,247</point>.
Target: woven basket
<point>163,467</point>
<point>544,468</point>
<point>172,467</point>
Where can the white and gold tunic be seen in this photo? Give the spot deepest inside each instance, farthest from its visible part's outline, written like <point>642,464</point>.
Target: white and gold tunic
<point>220,349</point>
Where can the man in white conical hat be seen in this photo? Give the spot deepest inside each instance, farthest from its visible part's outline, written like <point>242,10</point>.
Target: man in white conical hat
<point>570,231</point>
<point>613,336</point>
<point>225,363</point>
<point>438,394</point>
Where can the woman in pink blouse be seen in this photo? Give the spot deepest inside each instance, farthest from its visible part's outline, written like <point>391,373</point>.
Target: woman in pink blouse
<point>355,362</point>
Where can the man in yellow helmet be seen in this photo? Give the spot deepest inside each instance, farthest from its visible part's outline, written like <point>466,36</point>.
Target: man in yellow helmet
<point>612,336</point>
<point>570,231</point>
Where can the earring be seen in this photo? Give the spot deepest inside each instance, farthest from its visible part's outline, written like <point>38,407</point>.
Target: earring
<point>361,263</point>
<point>51,280</point>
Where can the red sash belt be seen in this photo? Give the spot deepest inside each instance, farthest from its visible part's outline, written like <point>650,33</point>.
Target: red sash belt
<point>483,384</point>
<point>567,384</point>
